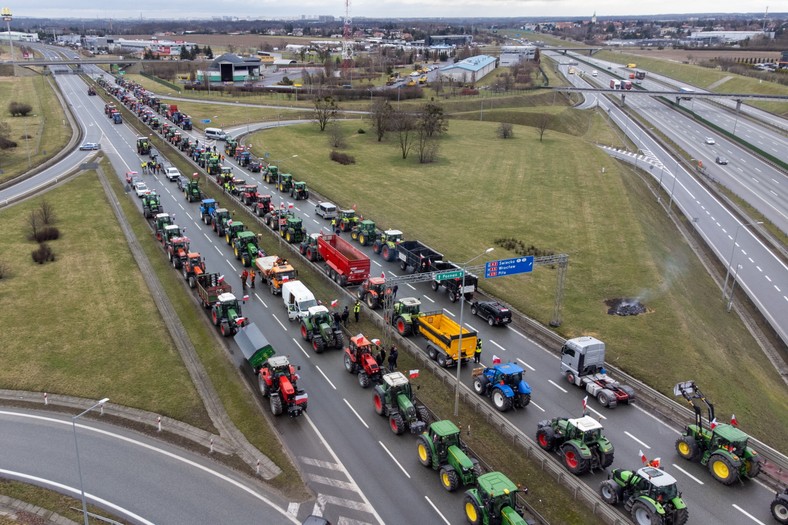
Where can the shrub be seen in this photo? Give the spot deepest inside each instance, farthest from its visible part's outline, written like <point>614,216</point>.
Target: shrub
<point>361,131</point>
<point>47,233</point>
<point>342,158</point>
<point>43,254</point>
<point>19,109</point>
<point>505,130</point>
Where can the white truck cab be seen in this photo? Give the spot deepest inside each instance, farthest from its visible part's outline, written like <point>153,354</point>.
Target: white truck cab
<point>298,299</point>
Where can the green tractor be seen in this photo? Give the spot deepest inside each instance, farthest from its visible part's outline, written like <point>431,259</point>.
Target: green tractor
<point>192,191</point>
<point>151,205</point>
<point>160,221</point>
<point>285,183</point>
<point>493,501</point>
<point>230,146</point>
<point>441,448</point>
<point>219,220</point>
<point>722,448</point>
<point>226,314</point>
<point>232,229</point>
<point>214,165</point>
<point>364,232</point>
<point>347,220</point>
<point>293,230</point>
<point>579,442</point>
<point>649,495</point>
<point>318,328</point>
<point>393,398</point>
<point>308,247</point>
<point>404,314</point>
<point>271,175</point>
<point>299,191</point>
<point>143,146</point>
<point>386,244</point>
<point>246,249</point>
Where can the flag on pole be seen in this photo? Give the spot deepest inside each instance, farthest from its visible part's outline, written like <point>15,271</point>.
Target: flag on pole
<point>334,303</point>
<point>220,279</point>
<point>585,407</point>
<point>496,360</point>
<point>713,423</point>
<point>414,374</point>
<point>246,297</point>
<point>376,342</point>
<point>382,275</point>
<point>734,422</point>
<point>656,462</point>
<point>290,205</point>
<point>643,457</point>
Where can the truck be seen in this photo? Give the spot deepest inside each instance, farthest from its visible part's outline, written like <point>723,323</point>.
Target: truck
<point>386,244</point>
<point>277,379</point>
<point>615,84</point>
<point>246,249</point>
<point>393,398</point>
<point>458,286</point>
<point>443,336</point>
<point>583,365</point>
<point>504,384</point>
<point>345,264</point>
<point>209,287</point>
<point>318,328</point>
<point>298,299</point>
<point>417,256</point>
<point>441,448</point>
<point>493,500</point>
<point>359,360</point>
<point>274,271</point>
<point>226,314</point>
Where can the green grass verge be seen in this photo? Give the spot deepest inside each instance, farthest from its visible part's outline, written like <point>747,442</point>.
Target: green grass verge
<point>85,325</point>
<point>46,126</point>
<point>553,195</point>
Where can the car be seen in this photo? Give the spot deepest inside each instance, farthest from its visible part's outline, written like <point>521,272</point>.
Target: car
<point>594,73</point>
<point>141,189</point>
<point>710,140</point>
<point>88,146</point>
<point>721,160</point>
<point>172,173</point>
<point>493,312</point>
<point>182,182</point>
<point>130,176</point>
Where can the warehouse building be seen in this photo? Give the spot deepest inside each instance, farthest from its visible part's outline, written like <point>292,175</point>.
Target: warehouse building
<point>470,70</point>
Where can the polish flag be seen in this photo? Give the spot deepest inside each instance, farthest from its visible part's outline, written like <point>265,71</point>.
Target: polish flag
<point>376,342</point>
<point>643,457</point>
<point>382,275</point>
<point>496,360</point>
<point>246,298</point>
<point>734,422</point>
<point>290,205</point>
<point>414,374</point>
<point>585,407</point>
<point>713,423</point>
<point>220,279</point>
<point>334,303</point>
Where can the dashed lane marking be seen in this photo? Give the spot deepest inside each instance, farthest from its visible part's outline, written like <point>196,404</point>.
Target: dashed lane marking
<point>326,378</point>
<point>562,389</point>
<point>636,439</point>
<point>394,459</point>
<point>693,478</point>
<point>356,413</point>
<point>526,365</point>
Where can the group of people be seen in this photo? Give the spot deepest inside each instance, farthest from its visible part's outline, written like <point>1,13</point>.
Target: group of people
<point>152,167</point>
<point>246,275</point>
<point>392,358</point>
<point>342,318</point>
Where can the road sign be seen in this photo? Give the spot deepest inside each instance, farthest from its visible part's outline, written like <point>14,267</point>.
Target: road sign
<point>206,121</point>
<point>512,266</point>
<point>448,275</point>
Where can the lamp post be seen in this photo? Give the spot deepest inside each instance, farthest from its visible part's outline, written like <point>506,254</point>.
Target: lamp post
<point>733,287</point>
<point>7,17</point>
<point>76,447</point>
<point>459,339</point>
<point>730,260</point>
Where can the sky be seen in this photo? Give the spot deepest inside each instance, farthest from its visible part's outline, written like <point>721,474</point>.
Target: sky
<point>376,8</point>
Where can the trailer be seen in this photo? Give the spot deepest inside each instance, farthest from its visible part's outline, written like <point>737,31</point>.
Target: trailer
<point>209,287</point>
<point>457,287</point>
<point>443,334</point>
<point>583,365</point>
<point>416,255</point>
<point>345,264</point>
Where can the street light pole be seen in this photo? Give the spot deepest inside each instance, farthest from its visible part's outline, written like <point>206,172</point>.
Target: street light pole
<point>730,260</point>
<point>459,339</point>
<point>79,467</point>
<point>733,286</point>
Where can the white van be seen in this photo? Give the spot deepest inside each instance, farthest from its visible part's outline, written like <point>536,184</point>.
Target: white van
<point>298,299</point>
<point>215,134</point>
<point>326,210</point>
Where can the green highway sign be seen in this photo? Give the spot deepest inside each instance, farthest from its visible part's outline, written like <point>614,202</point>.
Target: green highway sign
<point>448,275</point>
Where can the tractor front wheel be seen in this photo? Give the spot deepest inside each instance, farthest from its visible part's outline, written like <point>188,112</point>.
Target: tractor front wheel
<point>779,508</point>
<point>500,401</point>
<point>354,235</point>
<point>363,379</point>
<point>276,405</point>
<point>396,424</point>
<point>424,451</point>
<point>449,478</point>
<point>362,240</point>
<point>472,511</point>
<point>608,490</point>
<point>722,469</point>
<point>688,448</point>
<point>642,514</point>
<point>380,408</point>
<point>573,461</point>
<point>545,437</point>
<point>350,366</point>
<point>384,251</point>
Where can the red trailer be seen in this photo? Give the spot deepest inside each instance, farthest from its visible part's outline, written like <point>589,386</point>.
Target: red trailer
<point>345,264</point>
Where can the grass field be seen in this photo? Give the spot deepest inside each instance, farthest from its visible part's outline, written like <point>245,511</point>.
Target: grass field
<point>46,499</point>
<point>553,195</point>
<point>86,325</point>
<point>44,125</point>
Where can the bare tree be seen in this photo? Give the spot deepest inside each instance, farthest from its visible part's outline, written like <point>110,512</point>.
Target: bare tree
<point>46,212</point>
<point>336,138</point>
<point>543,122</point>
<point>405,126</point>
<point>426,146</point>
<point>325,111</point>
<point>505,130</point>
<point>34,223</point>
<point>380,113</point>
<point>433,120</point>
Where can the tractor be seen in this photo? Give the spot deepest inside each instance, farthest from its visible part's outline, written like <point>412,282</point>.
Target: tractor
<point>243,158</point>
<point>579,442</point>
<point>186,123</point>
<point>299,191</point>
<point>441,448</point>
<point>278,381</point>
<point>263,205</point>
<point>292,230</point>
<point>219,220</point>
<point>246,249</point>
<point>151,205</point>
<point>230,147</point>
<point>232,229</point>
<point>177,250</point>
<point>248,194</point>
<point>273,217</point>
<point>318,327</point>
<point>403,315</point>
<point>308,247</point>
<point>779,506</point>
<point>386,244</point>
<point>722,448</point>
<point>225,174</point>
<point>504,384</point>
<point>207,209</point>
<point>493,501</point>
<point>373,292</point>
<point>193,267</point>
<point>649,495</point>
<point>214,166</point>
<point>168,232</point>
<point>226,314</point>
<point>271,175</point>
<point>192,191</point>
<point>393,398</point>
<point>360,360</point>
<point>285,183</point>
<point>143,146</point>
<point>162,220</point>
<point>347,220</point>
<point>363,232</point>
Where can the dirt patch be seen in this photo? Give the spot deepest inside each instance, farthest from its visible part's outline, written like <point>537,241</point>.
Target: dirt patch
<point>623,306</point>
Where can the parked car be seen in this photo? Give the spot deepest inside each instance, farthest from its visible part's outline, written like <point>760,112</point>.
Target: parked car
<point>141,189</point>
<point>710,140</point>
<point>87,146</point>
<point>492,311</point>
<point>182,182</point>
<point>721,160</point>
<point>130,176</point>
<point>172,173</point>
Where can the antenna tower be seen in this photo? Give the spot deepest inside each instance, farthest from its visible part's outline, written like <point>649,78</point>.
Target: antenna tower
<point>347,43</point>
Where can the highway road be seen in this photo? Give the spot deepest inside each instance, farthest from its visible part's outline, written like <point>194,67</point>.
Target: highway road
<point>140,479</point>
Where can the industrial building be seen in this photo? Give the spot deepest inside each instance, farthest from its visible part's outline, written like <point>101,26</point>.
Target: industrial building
<point>232,68</point>
<point>471,69</point>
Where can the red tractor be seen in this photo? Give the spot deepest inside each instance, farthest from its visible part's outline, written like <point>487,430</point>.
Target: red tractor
<point>263,205</point>
<point>193,267</point>
<point>278,381</point>
<point>249,194</point>
<point>177,248</point>
<point>373,291</point>
<point>360,360</point>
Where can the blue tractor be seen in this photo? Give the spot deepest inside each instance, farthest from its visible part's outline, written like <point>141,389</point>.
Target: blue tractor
<point>504,384</point>
<point>207,206</point>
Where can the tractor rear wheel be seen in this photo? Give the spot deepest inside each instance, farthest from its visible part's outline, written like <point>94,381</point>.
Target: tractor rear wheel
<point>500,401</point>
<point>396,424</point>
<point>605,460</point>
<point>402,327</point>
<point>688,448</point>
<point>522,400</point>
<point>309,254</point>
<point>376,246</point>
<point>276,405</point>
<point>350,366</point>
<point>472,511</point>
<point>608,490</point>
<point>263,386</point>
<point>185,273</point>
<point>449,478</point>
<point>480,385</point>
<point>304,332</point>
<point>642,514</point>
<point>363,379</point>
<point>302,249</point>
<point>385,252</point>
<point>722,469</point>
<point>225,330</point>
<point>380,407</point>
<point>318,344</point>
<point>422,414</point>
<point>573,461</point>
<point>425,451</point>
<point>779,508</point>
<point>214,318</point>
<point>372,301</point>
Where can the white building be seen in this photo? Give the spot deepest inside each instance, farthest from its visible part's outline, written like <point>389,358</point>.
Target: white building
<point>16,36</point>
<point>471,69</point>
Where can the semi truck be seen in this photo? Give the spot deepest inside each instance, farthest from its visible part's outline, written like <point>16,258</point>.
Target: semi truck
<point>416,255</point>
<point>583,365</point>
<point>443,334</point>
<point>345,264</point>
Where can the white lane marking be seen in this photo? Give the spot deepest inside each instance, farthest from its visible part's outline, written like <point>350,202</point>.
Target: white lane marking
<point>190,217</point>
<point>693,478</point>
<point>555,385</point>
<point>636,439</point>
<point>537,406</point>
<point>331,482</point>
<point>599,414</point>
<point>313,220</point>
<point>767,278</point>
<point>356,413</point>
<point>326,378</point>
<point>496,344</point>
<point>206,236</point>
<point>777,288</point>
<point>759,269</point>
<point>259,299</point>
<point>305,214</point>
<point>252,492</point>
<point>448,312</point>
<point>750,259</point>
<point>436,510</point>
<point>181,205</point>
<point>410,285</point>
<point>652,416</point>
<point>526,365</point>
<point>392,273</point>
<point>280,322</point>
<point>376,262</point>
<point>299,346</point>
<point>753,518</point>
<point>471,327</point>
<point>394,459</point>
<point>231,265</point>
<point>427,298</point>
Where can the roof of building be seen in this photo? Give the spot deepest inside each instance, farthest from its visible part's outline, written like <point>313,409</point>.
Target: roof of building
<point>472,64</point>
<point>235,60</point>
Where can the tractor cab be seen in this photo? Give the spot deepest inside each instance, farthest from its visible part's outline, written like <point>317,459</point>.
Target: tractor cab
<point>397,385</point>
<point>375,284</point>
<point>230,146</point>
<point>498,496</point>
<point>195,260</point>
<point>171,231</point>
<point>280,367</point>
<point>407,305</point>
<point>285,182</point>
<point>660,485</point>
<point>294,223</point>
<point>319,315</point>
<point>508,374</point>
<point>348,215</point>
<point>367,227</point>
<point>360,345</point>
<point>586,429</point>
<point>730,438</point>
<point>162,220</point>
<point>443,434</point>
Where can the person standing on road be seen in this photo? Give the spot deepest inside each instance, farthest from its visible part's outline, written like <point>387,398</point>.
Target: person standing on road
<point>356,309</point>
<point>252,276</point>
<point>345,316</point>
<point>477,354</point>
<point>337,320</point>
<point>394,291</point>
<point>144,167</point>
<point>244,277</point>
<point>381,359</point>
<point>393,358</point>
